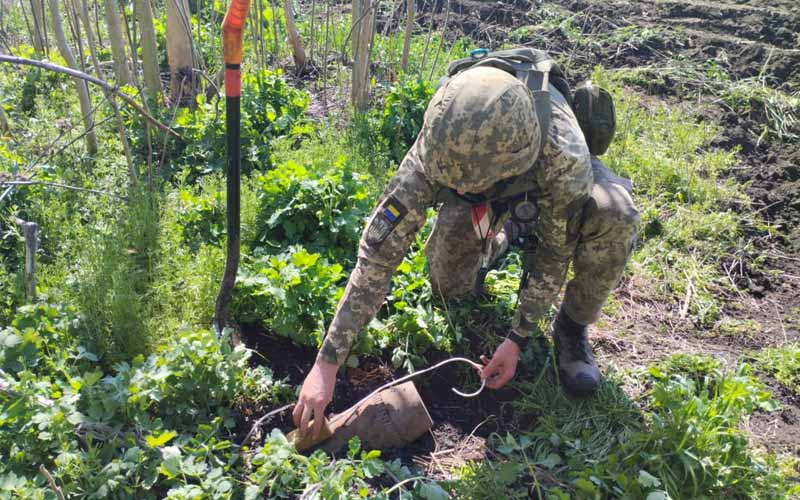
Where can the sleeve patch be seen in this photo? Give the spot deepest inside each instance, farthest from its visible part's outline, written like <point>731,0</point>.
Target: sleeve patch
<point>385,221</point>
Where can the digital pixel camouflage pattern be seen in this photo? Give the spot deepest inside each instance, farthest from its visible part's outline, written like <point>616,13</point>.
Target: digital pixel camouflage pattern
<point>481,119</point>
<point>585,214</point>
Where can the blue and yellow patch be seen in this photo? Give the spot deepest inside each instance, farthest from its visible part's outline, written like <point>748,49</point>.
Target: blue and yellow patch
<point>386,218</point>
<point>391,211</point>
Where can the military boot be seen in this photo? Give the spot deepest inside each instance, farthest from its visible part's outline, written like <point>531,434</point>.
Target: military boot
<point>577,368</point>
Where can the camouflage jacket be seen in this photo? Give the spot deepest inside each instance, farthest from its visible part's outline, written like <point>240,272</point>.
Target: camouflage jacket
<point>563,181</point>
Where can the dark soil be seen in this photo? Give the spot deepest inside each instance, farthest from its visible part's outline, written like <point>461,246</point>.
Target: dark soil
<point>457,421</point>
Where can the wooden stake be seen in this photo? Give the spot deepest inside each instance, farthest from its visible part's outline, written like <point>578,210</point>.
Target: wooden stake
<point>30,231</point>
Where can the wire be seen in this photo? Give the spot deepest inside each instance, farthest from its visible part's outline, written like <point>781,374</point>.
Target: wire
<point>416,374</point>
<point>350,410</point>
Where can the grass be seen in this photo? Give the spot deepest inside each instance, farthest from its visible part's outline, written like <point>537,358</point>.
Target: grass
<point>738,328</point>
<point>783,363</point>
<point>777,110</point>
<point>756,98</point>
<point>693,214</point>
<point>673,433</point>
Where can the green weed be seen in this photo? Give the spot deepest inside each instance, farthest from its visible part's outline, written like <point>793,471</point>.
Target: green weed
<point>104,435</point>
<point>154,427</point>
<point>319,205</point>
<point>114,276</point>
<point>293,293</point>
<point>412,321</point>
<point>679,438</point>
<point>783,363</point>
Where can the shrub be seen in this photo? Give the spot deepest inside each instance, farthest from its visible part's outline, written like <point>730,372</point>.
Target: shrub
<point>293,293</point>
<point>270,109</point>
<point>320,206</point>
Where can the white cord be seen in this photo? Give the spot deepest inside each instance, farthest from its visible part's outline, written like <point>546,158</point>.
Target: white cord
<point>379,389</point>
<point>415,374</point>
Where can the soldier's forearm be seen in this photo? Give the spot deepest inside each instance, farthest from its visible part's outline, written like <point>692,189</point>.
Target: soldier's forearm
<point>359,304</point>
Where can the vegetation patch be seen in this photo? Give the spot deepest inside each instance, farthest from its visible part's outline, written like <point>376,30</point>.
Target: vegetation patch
<point>783,363</point>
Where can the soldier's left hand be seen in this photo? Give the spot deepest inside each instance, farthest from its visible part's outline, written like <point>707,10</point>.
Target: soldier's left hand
<point>503,365</point>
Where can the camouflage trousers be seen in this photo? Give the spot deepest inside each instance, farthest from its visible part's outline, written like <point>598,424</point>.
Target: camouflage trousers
<point>607,232</point>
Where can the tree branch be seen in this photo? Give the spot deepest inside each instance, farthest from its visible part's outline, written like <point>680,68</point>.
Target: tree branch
<point>59,185</point>
<point>97,81</point>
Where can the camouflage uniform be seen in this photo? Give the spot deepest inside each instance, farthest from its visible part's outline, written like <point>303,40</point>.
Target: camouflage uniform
<point>586,215</point>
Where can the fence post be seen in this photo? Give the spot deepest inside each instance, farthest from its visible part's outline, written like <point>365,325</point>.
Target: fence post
<point>30,231</point>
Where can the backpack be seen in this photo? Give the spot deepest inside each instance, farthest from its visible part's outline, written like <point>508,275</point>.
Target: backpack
<point>594,107</point>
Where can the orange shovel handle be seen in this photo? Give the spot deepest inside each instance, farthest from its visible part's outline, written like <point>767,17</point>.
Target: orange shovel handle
<point>232,36</point>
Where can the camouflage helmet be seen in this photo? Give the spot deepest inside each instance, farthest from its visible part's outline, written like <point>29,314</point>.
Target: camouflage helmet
<point>480,128</point>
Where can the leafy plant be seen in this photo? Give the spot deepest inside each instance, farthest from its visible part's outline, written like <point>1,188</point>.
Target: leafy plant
<point>270,109</point>
<point>680,439</point>
<point>284,474</point>
<point>201,215</point>
<point>320,206</point>
<point>403,111</point>
<point>37,340</point>
<point>783,363</point>
<point>293,293</point>
<point>157,424</point>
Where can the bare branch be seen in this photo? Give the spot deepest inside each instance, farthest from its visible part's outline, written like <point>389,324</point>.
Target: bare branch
<point>52,482</point>
<point>97,81</point>
<point>59,185</point>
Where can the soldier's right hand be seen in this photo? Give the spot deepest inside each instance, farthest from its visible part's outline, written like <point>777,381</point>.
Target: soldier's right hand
<point>316,393</point>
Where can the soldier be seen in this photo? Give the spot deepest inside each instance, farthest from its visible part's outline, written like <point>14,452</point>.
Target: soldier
<point>480,159</point>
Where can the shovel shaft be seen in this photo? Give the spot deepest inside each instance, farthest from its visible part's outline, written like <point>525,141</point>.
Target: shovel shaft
<point>232,35</point>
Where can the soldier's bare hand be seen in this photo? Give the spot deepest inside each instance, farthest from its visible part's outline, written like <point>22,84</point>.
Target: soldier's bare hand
<point>316,393</point>
<point>503,365</point>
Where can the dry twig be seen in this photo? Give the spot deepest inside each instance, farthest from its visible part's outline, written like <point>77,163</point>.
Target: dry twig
<point>97,81</point>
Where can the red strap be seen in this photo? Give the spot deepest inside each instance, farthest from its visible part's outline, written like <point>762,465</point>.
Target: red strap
<point>481,220</point>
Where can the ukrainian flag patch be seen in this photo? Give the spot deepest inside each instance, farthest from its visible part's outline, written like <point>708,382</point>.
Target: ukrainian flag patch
<point>391,211</point>
<point>385,220</point>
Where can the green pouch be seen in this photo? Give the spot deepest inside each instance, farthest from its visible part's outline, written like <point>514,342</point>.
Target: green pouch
<point>594,109</point>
